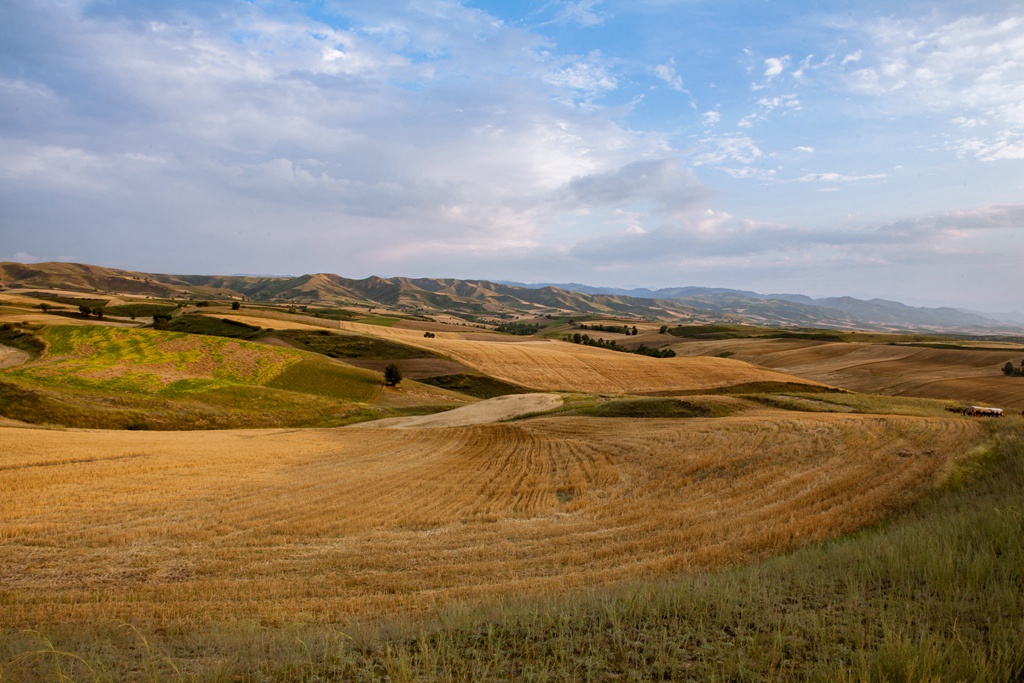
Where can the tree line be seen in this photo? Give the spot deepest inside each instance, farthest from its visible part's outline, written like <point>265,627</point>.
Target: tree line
<point>611,344</point>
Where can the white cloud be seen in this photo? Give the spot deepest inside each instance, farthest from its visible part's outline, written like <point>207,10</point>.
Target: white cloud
<point>775,65</point>
<point>973,66</point>
<point>806,150</point>
<point>589,76</point>
<point>711,118</point>
<point>853,57</point>
<point>667,73</point>
<point>581,12</point>
<point>766,105</point>
<point>1005,146</point>
<point>727,148</point>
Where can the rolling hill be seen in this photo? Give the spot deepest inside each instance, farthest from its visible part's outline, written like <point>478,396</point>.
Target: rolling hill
<point>489,301</point>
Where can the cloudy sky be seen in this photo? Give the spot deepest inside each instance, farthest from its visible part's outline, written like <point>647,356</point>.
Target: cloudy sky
<point>825,148</point>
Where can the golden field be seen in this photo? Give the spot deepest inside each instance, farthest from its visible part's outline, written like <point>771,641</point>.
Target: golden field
<point>971,375</point>
<point>555,366</point>
<point>279,526</point>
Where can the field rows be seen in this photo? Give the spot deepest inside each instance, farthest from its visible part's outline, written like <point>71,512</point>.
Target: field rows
<point>285,525</point>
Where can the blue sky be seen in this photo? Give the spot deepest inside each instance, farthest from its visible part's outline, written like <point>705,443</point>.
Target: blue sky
<point>825,148</point>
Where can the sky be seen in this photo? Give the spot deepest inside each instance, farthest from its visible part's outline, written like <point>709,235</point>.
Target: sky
<point>863,148</point>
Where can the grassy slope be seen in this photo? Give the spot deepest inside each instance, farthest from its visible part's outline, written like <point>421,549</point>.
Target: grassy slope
<point>338,345</point>
<point>129,378</point>
<point>935,595</point>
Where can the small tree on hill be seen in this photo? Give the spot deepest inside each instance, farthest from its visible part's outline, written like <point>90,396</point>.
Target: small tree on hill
<point>392,375</point>
<point>235,305</point>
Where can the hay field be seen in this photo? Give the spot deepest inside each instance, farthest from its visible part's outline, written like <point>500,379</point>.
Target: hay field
<point>558,366</point>
<point>955,374</point>
<point>186,528</point>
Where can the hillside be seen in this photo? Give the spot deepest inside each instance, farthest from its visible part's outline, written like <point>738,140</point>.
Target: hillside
<point>547,365</point>
<point>971,375</point>
<point>467,297</point>
<point>115,378</point>
<point>796,309</point>
<point>481,300</point>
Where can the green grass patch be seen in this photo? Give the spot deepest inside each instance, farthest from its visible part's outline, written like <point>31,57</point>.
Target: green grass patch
<point>478,386</point>
<point>382,320</point>
<point>654,408</point>
<point>108,359</point>
<point>142,310</point>
<point>335,314</point>
<point>350,346</point>
<point>218,327</point>
<point>117,378</point>
<point>853,403</point>
<point>69,300</point>
<point>761,388</point>
<point>324,378</point>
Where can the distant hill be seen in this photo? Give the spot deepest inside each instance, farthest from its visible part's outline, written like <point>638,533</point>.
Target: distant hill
<point>472,298</point>
<point>482,299</point>
<point>797,309</point>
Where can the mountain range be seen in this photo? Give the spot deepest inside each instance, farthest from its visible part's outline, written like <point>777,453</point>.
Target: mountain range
<point>482,299</point>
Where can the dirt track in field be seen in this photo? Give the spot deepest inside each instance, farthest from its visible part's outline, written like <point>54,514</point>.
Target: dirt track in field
<point>484,412</point>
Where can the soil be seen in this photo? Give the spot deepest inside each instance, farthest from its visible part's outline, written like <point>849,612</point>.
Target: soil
<point>491,410</point>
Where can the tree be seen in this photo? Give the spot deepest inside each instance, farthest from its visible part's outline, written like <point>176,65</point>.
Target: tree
<point>84,310</point>
<point>663,330</point>
<point>1008,369</point>
<point>235,305</point>
<point>392,375</point>
<point>635,331</point>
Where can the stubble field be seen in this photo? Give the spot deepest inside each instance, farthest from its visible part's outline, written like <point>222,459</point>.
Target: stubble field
<point>966,375</point>
<point>313,525</point>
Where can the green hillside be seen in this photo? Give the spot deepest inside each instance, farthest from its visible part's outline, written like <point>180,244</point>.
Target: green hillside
<point>116,378</point>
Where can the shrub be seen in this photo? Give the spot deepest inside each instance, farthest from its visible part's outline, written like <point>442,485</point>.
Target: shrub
<point>392,375</point>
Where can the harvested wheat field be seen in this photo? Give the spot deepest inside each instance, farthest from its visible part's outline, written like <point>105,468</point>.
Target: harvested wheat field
<point>973,375</point>
<point>284,525</point>
<point>560,366</point>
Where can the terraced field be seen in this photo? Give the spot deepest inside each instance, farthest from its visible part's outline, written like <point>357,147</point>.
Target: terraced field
<point>185,528</point>
<point>957,374</point>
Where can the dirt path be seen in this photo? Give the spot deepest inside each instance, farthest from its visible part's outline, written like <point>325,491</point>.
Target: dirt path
<point>491,410</point>
<point>10,357</point>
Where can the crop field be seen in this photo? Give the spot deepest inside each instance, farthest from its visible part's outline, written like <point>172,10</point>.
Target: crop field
<point>559,366</point>
<point>144,379</point>
<point>956,374</point>
<point>560,508</point>
<point>181,528</point>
